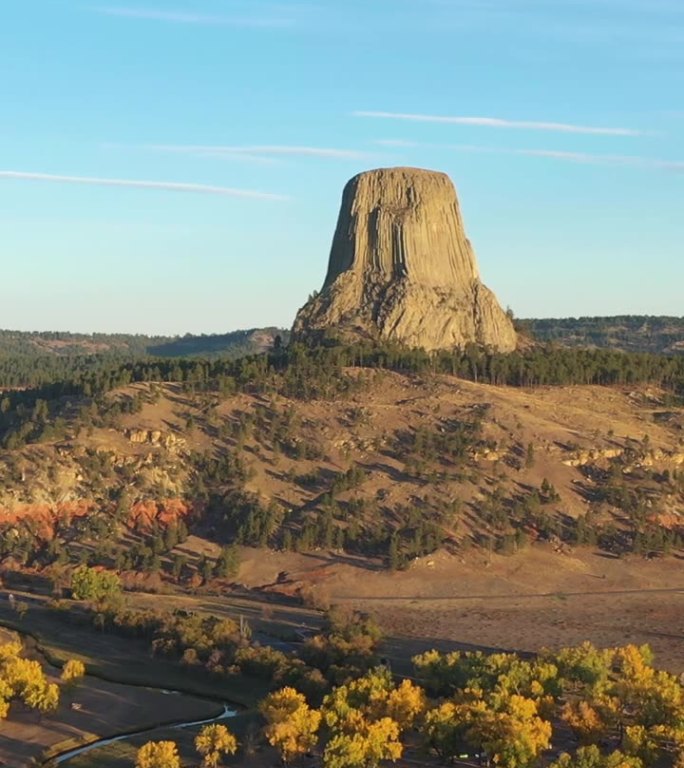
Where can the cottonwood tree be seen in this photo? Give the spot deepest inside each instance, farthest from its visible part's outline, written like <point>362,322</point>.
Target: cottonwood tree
<point>583,667</point>
<point>214,742</point>
<point>366,717</point>
<point>406,703</point>
<point>502,704</point>
<point>365,747</point>
<point>513,735</point>
<point>585,720</point>
<point>24,680</point>
<point>291,725</point>
<point>372,697</point>
<point>592,757</point>
<point>72,672</point>
<point>617,691</point>
<point>445,728</point>
<point>158,754</point>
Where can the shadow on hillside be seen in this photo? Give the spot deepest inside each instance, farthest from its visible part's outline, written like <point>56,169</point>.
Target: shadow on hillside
<point>397,475</point>
<point>337,558</point>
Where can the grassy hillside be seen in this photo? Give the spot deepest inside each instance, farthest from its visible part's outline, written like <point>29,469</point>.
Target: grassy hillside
<point>305,454</point>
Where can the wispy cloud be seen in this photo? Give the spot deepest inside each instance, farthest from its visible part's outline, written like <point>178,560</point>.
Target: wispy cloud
<point>654,6</point>
<point>166,186</point>
<point>615,160</point>
<point>495,122</point>
<point>263,150</point>
<point>584,158</point>
<point>183,17</point>
<point>254,153</point>
<point>396,143</point>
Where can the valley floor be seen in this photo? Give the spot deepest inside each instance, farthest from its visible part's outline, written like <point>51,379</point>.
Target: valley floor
<point>535,599</point>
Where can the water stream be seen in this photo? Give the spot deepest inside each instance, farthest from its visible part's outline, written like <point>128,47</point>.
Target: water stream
<point>65,756</point>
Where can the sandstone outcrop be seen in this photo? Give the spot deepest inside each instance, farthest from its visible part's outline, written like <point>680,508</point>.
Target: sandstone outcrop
<point>154,437</point>
<point>402,269</point>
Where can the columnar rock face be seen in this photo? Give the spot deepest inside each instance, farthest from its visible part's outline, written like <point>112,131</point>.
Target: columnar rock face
<point>401,268</point>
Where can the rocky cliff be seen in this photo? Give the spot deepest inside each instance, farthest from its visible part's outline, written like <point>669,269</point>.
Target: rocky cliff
<point>401,268</point>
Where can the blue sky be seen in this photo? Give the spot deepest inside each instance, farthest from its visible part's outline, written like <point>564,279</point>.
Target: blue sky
<point>172,167</point>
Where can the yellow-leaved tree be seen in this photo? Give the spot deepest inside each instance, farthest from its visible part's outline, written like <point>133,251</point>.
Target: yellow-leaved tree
<point>72,672</point>
<point>214,742</point>
<point>291,725</point>
<point>158,754</point>
<point>365,747</point>
<point>512,734</point>
<point>445,728</point>
<point>583,667</point>
<point>585,721</point>
<point>592,757</point>
<point>645,696</point>
<point>366,717</point>
<point>406,703</point>
<point>25,680</point>
<point>373,697</point>
<point>622,691</point>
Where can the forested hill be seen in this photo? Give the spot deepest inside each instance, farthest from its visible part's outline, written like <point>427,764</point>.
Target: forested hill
<point>628,333</point>
<point>64,344</point>
<point>34,359</point>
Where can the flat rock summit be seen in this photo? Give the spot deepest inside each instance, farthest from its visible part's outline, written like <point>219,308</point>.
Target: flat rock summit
<point>402,269</point>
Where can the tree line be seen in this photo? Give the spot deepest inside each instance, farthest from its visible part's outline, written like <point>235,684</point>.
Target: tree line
<point>579,707</point>
<point>39,412</point>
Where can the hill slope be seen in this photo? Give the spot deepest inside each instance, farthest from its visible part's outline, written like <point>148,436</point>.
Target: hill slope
<point>628,333</point>
<point>399,466</point>
<point>65,344</point>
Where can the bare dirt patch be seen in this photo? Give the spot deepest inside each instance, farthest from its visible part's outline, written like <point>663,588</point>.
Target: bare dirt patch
<point>537,598</point>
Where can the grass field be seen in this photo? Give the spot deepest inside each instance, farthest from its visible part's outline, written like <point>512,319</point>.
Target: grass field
<point>122,754</point>
<point>121,693</point>
<point>119,659</point>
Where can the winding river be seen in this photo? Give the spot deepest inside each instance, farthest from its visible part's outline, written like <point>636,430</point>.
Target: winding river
<point>68,755</point>
<point>225,713</point>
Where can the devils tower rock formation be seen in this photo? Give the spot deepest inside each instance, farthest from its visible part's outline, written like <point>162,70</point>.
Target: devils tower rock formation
<point>401,268</point>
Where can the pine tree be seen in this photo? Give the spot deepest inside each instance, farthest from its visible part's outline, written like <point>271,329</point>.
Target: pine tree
<point>393,553</point>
